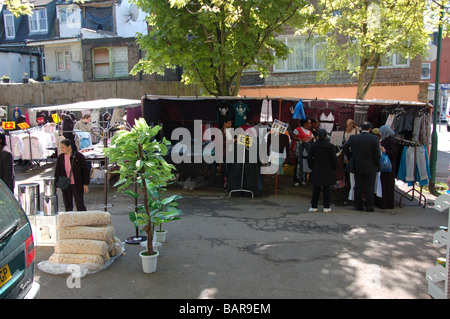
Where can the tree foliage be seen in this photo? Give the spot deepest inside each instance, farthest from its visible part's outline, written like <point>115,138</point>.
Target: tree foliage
<point>216,40</point>
<point>18,7</point>
<point>359,34</point>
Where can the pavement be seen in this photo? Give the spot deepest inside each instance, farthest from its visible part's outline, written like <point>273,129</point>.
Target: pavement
<point>266,247</point>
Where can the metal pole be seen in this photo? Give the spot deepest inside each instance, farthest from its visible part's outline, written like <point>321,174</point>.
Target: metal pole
<point>434,137</point>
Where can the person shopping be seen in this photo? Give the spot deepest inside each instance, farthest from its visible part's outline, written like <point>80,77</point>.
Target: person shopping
<point>390,147</point>
<point>363,151</point>
<point>72,163</point>
<point>323,162</point>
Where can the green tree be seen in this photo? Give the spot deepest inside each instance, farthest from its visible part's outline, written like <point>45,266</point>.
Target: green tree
<point>216,40</point>
<point>359,34</point>
<point>18,7</point>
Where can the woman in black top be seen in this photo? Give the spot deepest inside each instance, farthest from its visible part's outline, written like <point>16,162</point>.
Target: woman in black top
<point>323,163</point>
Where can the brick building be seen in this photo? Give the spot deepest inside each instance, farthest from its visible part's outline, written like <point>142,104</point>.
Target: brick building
<point>397,79</point>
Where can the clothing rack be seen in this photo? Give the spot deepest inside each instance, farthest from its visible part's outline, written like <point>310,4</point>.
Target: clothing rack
<point>242,178</point>
<point>413,188</point>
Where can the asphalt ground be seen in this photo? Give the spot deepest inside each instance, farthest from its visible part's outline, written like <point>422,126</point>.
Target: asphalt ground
<point>266,247</point>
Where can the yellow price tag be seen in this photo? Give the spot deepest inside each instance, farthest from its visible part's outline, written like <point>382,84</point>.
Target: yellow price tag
<point>23,125</point>
<point>245,140</point>
<point>55,118</point>
<point>8,125</point>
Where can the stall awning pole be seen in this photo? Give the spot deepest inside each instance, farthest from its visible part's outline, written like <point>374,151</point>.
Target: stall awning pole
<point>434,137</point>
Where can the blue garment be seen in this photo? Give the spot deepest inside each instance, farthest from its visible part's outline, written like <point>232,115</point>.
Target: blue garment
<point>401,175</point>
<point>299,112</point>
<point>85,139</point>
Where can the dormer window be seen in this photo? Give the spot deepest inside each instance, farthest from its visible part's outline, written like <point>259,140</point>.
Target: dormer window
<point>38,21</point>
<point>10,31</point>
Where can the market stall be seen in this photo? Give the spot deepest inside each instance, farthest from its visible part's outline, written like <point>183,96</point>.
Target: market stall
<point>124,112</point>
<point>410,121</point>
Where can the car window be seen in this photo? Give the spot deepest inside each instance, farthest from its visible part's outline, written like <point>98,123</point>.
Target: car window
<point>10,209</point>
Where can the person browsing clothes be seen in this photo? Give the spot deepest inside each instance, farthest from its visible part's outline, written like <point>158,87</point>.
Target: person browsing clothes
<point>323,162</point>
<point>79,176</point>
<point>363,151</point>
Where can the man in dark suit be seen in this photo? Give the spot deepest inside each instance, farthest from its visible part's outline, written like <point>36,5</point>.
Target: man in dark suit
<point>364,150</point>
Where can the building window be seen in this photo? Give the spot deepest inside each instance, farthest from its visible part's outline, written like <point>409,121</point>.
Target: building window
<point>426,71</point>
<point>9,26</point>
<point>110,62</point>
<point>38,21</point>
<point>303,56</point>
<point>62,61</point>
<point>67,15</point>
<point>394,60</point>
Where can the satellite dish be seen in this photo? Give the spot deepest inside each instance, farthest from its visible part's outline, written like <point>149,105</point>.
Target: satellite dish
<point>133,12</point>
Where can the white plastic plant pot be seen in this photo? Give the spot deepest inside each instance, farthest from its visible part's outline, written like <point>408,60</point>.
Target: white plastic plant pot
<point>149,262</point>
<point>161,235</point>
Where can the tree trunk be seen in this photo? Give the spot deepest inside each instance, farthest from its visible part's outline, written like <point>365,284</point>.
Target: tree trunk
<point>147,210</point>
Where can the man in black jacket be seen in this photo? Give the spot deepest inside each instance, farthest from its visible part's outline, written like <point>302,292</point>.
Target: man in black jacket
<point>363,150</point>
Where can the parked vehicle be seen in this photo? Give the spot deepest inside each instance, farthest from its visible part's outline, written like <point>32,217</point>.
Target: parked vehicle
<point>16,250</point>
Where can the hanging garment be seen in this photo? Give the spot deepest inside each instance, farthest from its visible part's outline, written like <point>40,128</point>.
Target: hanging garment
<point>406,166</point>
<point>361,114</point>
<point>266,111</point>
<point>224,113</point>
<point>390,121</point>
<point>240,111</point>
<point>327,122</point>
<point>299,112</point>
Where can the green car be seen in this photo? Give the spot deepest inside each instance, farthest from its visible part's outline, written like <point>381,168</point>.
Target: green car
<point>16,250</point>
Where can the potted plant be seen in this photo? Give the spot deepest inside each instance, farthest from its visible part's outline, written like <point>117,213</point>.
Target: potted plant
<point>5,79</point>
<point>25,77</point>
<point>163,210</point>
<point>141,158</point>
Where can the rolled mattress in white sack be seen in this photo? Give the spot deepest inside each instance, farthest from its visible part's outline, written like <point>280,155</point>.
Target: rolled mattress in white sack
<point>81,246</point>
<point>105,233</point>
<point>76,259</point>
<point>87,218</point>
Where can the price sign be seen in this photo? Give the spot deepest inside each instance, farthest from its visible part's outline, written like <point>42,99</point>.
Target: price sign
<point>278,127</point>
<point>23,125</point>
<point>55,117</point>
<point>8,125</point>
<point>40,120</point>
<point>245,140</point>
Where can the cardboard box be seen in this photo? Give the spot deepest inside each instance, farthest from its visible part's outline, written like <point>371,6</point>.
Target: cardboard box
<point>44,229</point>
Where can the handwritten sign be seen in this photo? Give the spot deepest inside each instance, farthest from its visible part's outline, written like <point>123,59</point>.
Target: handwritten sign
<point>278,127</point>
<point>8,125</point>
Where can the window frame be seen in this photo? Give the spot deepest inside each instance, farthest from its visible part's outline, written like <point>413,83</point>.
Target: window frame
<point>36,16</point>
<point>110,63</point>
<point>5,16</point>
<point>66,55</point>
<point>315,67</point>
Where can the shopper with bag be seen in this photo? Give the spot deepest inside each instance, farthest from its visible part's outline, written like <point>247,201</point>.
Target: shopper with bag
<point>72,176</point>
<point>389,146</point>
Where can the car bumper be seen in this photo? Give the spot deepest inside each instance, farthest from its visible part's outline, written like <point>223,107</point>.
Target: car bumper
<point>33,293</point>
